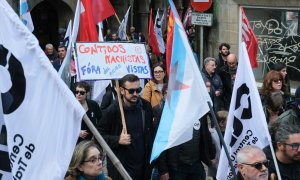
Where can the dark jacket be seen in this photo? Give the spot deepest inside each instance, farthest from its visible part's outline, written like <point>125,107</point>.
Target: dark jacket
<point>291,116</point>
<point>216,85</point>
<point>111,127</point>
<point>228,77</point>
<point>94,113</point>
<point>108,98</point>
<point>287,171</point>
<point>220,62</point>
<point>57,64</point>
<point>169,159</point>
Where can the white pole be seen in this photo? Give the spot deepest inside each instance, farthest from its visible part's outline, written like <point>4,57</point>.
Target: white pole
<point>275,161</point>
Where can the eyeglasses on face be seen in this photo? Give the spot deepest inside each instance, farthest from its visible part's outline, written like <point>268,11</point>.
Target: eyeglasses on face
<point>95,160</point>
<point>259,165</point>
<point>295,146</point>
<point>131,91</point>
<point>158,72</point>
<point>80,92</point>
<point>277,80</point>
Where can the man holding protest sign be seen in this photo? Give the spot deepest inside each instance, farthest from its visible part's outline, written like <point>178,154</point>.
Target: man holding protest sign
<point>133,145</point>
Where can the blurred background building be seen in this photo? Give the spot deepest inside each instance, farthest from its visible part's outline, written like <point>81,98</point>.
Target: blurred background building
<point>275,24</point>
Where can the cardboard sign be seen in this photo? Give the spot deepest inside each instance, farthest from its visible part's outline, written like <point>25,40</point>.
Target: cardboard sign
<point>111,60</point>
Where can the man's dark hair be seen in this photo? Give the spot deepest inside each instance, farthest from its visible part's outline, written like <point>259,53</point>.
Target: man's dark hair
<point>84,85</point>
<point>129,78</point>
<point>224,44</point>
<point>280,131</point>
<point>62,46</point>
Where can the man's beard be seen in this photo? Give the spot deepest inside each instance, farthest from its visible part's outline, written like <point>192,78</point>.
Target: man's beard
<point>225,55</point>
<point>130,100</point>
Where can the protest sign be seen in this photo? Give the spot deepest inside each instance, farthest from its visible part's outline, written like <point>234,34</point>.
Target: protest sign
<point>111,60</point>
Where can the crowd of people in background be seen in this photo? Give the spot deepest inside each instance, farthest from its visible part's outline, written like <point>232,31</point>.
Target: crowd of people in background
<point>143,108</point>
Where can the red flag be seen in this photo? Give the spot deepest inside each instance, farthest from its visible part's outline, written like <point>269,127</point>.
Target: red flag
<point>249,38</point>
<point>102,9</point>
<point>152,37</point>
<point>87,29</point>
<point>169,40</point>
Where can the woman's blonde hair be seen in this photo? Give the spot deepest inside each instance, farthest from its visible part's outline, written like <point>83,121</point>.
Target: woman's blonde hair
<point>79,155</point>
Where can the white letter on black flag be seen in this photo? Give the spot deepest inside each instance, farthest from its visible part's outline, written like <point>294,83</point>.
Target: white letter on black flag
<point>41,115</point>
<point>246,124</point>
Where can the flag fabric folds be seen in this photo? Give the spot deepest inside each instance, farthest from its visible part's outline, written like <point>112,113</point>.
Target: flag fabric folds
<point>158,33</point>
<point>99,87</point>
<point>187,21</point>
<point>25,15</point>
<point>87,28</point>
<point>169,41</point>
<point>64,70</point>
<point>187,95</point>
<point>164,16</point>
<point>122,28</point>
<point>100,34</point>
<point>102,9</point>
<point>152,37</point>
<point>246,123</point>
<point>249,38</point>
<point>41,115</point>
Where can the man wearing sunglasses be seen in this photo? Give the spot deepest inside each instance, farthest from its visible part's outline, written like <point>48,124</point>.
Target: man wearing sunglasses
<point>133,147</point>
<point>287,139</point>
<point>252,163</point>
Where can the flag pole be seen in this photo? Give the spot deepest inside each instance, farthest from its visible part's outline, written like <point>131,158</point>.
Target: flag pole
<point>116,162</point>
<point>121,107</point>
<point>222,140</point>
<point>118,90</point>
<point>275,161</point>
<point>120,24</point>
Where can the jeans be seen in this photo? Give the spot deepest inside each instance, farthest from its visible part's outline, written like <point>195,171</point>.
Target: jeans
<point>189,172</point>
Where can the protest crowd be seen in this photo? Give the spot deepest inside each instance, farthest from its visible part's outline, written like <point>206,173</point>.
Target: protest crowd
<point>132,112</point>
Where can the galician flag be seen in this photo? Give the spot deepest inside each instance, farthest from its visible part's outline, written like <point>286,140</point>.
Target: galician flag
<point>187,95</point>
<point>25,15</point>
<point>39,118</point>
<point>246,123</point>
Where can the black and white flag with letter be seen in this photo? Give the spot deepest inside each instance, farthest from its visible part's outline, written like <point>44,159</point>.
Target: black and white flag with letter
<point>246,123</point>
<point>39,118</point>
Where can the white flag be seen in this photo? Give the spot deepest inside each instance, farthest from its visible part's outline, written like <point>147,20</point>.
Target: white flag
<point>41,115</point>
<point>246,123</point>
<point>64,70</point>
<point>122,28</point>
<point>99,87</point>
<point>158,33</point>
<point>100,35</point>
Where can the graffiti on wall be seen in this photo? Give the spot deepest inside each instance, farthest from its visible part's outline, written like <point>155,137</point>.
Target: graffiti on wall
<point>278,42</point>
